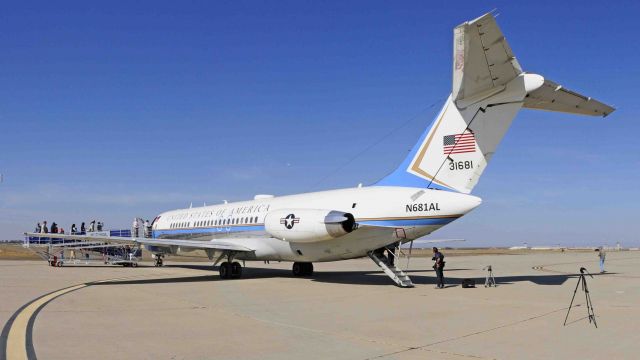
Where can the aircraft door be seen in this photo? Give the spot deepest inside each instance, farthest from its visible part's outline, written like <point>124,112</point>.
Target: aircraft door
<point>228,223</point>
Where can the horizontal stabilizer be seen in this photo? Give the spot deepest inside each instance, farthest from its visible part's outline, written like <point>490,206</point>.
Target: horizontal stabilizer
<point>554,97</point>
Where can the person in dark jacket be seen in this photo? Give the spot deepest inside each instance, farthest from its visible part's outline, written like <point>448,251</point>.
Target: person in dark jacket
<point>438,266</point>
<point>82,228</point>
<point>74,230</point>
<point>54,228</point>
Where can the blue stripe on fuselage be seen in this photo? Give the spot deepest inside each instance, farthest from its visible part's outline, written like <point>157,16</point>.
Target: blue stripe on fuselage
<point>210,230</point>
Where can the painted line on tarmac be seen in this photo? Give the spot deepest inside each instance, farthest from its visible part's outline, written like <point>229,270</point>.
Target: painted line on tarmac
<point>16,340</point>
<point>17,334</point>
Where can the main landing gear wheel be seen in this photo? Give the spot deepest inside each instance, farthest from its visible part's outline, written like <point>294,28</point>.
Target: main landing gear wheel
<point>230,270</point>
<point>225,270</point>
<point>236,270</point>
<point>302,269</point>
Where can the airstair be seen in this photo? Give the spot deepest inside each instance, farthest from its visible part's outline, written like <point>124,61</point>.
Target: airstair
<point>393,271</point>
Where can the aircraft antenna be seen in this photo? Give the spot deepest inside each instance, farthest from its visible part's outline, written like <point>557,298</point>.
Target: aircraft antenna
<point>377,142</point>
<point>468,128</point>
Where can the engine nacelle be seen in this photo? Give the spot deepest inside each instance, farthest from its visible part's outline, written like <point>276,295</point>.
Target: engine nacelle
<point>308,225</point>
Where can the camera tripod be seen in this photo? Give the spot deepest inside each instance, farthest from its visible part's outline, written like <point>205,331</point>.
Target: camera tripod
<point>582,280</point>
<point>489,281</point>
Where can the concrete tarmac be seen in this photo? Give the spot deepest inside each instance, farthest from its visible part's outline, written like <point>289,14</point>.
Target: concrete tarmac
<point>347,310</point>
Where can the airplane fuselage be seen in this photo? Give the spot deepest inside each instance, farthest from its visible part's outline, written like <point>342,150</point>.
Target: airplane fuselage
<point>384,214</point>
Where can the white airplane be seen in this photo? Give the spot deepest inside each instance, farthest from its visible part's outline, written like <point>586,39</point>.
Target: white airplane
<point>430,189</point>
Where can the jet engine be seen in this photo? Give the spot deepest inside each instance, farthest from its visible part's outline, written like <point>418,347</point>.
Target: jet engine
<point>308,225</point>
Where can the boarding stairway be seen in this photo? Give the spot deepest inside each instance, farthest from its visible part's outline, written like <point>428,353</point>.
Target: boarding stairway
<point>48,248</point>
<point>393,272</point>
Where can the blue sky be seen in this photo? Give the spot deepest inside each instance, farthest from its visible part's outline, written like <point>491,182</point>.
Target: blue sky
<point>119,109</point>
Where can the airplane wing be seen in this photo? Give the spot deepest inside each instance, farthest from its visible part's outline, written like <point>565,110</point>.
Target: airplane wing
<point>201,244</point>
<point>437,241</point>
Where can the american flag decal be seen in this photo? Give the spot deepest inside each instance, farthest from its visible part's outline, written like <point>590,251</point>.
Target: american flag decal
<point>459,143</point>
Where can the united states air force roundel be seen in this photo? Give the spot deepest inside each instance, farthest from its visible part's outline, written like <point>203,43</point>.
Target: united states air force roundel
<point>289,220</point>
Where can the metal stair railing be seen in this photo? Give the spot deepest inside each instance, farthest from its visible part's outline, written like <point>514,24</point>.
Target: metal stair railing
<point>393,272</point>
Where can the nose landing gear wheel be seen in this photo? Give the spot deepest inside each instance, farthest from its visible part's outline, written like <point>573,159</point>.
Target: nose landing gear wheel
<point>302,269</point>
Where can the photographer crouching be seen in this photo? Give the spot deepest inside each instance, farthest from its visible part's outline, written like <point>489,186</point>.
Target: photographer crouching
<point>438,266</point>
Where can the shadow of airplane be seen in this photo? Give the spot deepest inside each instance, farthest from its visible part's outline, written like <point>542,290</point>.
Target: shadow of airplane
<point>345,277</point>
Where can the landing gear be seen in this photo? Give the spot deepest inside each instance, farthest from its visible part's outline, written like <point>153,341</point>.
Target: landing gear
<point>230,270</point>
<point>236,270</point>
<point>158,260</point>
<point>302,269</point>
<point>225,270</point>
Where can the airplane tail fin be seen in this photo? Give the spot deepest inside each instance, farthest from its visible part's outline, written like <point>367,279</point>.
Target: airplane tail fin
<point>489,88</point>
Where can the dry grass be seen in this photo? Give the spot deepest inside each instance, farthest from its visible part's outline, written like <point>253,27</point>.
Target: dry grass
<point>16,252</point>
